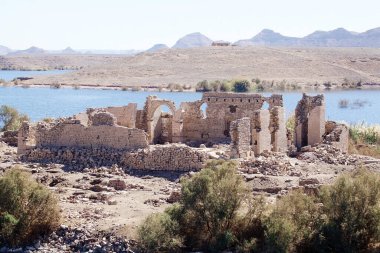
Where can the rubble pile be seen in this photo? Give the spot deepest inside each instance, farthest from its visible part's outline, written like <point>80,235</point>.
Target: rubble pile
<point>67,239</point>
<point>273,164</point>
<point>328,154</point>
<point>10,138</point>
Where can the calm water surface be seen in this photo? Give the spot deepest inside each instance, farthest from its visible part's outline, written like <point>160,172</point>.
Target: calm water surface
<point>9,75</point>
<point>40,103</point>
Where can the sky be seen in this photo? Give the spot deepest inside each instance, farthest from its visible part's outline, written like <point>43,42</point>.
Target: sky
<point>139,24</point>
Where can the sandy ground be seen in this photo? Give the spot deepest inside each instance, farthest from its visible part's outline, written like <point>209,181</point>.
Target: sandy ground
<point>89,201</point>
<point>189,66</point>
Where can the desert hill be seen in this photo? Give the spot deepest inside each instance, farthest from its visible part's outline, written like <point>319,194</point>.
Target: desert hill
<point>189,66</point>
<point>157,47</point>
<point>193,40</point>
<point>336,38</point>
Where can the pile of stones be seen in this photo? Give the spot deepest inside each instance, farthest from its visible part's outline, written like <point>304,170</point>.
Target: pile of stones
<point>273,164</point>
<point>67,239</point>
<point>327,154</point>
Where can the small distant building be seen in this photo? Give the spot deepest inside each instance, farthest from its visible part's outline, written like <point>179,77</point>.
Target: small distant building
<point>221,43</point>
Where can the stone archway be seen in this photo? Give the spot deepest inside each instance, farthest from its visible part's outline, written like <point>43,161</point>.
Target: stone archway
<point>159,123</point>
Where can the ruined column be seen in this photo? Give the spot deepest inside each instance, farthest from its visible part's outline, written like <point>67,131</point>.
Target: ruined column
<point>240,131</point>
<point>278,129</point>
<point>177,126</point>
<point>261,139</point>
<point>310,120</point>
<point>26,140</point>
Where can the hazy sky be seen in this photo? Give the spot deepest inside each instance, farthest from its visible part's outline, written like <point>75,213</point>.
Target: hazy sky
<point>138,24</point>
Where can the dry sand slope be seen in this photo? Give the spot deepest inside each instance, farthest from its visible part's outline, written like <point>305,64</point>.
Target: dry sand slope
<point>189,66</point>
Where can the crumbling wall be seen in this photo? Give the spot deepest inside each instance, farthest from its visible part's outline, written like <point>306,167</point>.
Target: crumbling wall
<point>278,129</point>
<point>26,138</point>
<point>173,157</point>
<point>152,117</point>
<point>125,115</point>
<point>222,109</point>
<point>102,118</point>
<point>310,120</point>
<point>70,133</point>
<point>240,131</point>
<point>337,135</point>
<point>261,137</point>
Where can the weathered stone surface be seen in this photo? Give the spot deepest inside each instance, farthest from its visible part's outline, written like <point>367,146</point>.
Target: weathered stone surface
<point>117,184</point>
<point>240,131</point>
<point>310,120</point>
<point>175,157</point>
<point>9,137</point>
<point>336,135</point>
<point>128,137</point>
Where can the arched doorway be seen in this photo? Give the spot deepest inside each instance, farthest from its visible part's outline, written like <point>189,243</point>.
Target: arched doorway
<point>160,125</point>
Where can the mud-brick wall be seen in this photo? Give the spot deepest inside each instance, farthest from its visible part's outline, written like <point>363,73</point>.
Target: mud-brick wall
<point>77,135</point>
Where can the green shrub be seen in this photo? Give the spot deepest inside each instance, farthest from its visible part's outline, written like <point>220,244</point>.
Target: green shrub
<point>203,86</point>
<point>27,208</point>
<point>241,86</point>
<point>209,214</point>
<point>343,217</point>
<point>352,208</point>
<point>210,201</point>
<point>159,233</point>
<point>225,86</point>
<point>293,224</point>
<point>11,119</point>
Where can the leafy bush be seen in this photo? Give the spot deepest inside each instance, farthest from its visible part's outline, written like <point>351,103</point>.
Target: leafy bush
<point>293,224</point>
<point>352,208</point>
<point>203,86</point>
<point>225,86</point>
<point>241,86</point>
<point>344,217</point>
<point>209,215</point>
<point>159,233</point>
<point>11,119</point>
<point>210,201</point>
<point>27,208</point>
<point>216,213</point>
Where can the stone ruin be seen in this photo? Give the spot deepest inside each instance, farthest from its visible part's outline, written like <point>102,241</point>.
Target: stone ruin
<point>151,139</point>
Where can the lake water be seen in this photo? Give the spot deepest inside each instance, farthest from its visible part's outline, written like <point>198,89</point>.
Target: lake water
<point>40,103</point>
<point>9,75</point>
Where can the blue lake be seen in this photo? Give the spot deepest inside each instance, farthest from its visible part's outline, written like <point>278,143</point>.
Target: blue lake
<point>9,75</point>
<point>40,103</point>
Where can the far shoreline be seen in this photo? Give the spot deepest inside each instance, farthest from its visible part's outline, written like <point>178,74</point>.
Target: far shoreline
<point>191,90</point>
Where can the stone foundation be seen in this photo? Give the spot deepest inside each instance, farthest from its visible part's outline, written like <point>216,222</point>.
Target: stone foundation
<point>171,157</point>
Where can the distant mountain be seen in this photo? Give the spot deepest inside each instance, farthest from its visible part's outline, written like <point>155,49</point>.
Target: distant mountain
<point>157,47</point>
<point>193,40</point>
<point>269,38</point>
<point>31,50</point>
<point>336,38</point>
<point>4,50</point>
<point>69,50</point>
